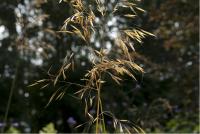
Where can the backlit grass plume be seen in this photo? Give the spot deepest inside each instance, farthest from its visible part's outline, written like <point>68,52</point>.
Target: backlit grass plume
<point>90,19</point>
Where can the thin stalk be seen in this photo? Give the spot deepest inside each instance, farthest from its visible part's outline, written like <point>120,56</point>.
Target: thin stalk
<point>10,97</point>
<point>98,103</point>
<point>103,122</point>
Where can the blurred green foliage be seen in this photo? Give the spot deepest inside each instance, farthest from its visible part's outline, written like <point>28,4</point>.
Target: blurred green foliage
<point>49,128</point>
<point>13,130</point>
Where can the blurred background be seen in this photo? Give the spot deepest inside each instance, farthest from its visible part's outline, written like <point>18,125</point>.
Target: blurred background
<point>164,99</point>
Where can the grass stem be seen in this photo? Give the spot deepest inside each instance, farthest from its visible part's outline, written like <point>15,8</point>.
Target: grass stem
<point>10,97</point>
